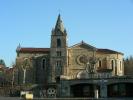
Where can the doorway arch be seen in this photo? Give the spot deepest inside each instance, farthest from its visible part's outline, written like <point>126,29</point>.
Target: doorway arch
<point>84,90</point>
<point>120,90</point>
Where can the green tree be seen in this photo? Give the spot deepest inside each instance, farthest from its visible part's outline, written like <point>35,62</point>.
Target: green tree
<point>2,62</point>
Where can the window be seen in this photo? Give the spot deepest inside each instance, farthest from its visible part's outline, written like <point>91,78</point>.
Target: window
<point>58,53</point>
<point>44,63</point>
<point>58,42</point>
<point>112,64</point>
<point>58,63</point>
<point>100,63</point>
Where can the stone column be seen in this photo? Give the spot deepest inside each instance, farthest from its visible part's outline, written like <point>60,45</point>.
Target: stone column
<point>103,90</point>
<point>64,89</point>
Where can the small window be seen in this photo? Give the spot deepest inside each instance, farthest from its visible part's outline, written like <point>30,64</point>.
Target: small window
<point>58,53</point>
<point>112,64</point>
<point>58,43</point>
<point>44,63</point>
<point>58,63</point>
<point>100,63</point>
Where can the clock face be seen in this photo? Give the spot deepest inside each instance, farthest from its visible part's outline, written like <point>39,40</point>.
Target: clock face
<point>82,59</point>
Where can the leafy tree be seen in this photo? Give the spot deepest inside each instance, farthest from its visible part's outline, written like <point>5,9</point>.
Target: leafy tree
<point>2,62</point>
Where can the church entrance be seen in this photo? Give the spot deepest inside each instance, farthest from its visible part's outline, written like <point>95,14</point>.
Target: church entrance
<point>84,90</point>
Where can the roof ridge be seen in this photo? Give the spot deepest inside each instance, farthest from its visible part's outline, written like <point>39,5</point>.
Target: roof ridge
<point>82,42</point>
<point>110,50</point>
<point>29,50</point>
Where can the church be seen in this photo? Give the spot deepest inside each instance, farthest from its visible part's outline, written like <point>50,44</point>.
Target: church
<point>81,70</point>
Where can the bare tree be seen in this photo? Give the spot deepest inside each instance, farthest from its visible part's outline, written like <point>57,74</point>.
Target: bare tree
<point>24,64</point>
<point>128,64</point>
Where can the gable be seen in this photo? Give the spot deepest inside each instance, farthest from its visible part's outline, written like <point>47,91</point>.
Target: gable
<point>83,45</point>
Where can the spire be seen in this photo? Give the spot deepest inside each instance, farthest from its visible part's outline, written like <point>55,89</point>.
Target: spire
<point>18,47</point>
<point>59,24</point>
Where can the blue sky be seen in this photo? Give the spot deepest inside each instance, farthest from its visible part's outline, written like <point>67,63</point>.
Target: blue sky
<point>101,23</point>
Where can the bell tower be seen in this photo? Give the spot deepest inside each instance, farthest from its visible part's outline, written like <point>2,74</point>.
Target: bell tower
<point>58,50</point>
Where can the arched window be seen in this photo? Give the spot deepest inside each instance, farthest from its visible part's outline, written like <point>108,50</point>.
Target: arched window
<point>44,63</point>
<point>58,42</point>
<point>112,64</point>
<point>100,63</point>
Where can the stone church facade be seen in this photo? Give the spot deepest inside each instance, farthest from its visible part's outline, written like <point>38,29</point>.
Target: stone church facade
<point>80,70</point>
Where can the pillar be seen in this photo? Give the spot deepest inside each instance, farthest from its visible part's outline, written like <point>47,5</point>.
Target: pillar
<point>64,89</point>
<point>103,90</point>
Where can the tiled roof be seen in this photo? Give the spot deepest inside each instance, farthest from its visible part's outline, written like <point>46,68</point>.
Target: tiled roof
<point>33,50</point>
<point>47,50</point>
<point>108,51</point>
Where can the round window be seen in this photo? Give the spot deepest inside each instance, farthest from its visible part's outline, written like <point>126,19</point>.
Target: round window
<point>82,59</point>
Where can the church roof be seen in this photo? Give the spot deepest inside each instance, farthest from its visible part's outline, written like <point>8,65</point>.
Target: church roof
<point>33,50</point>
<point>47,50</point>
<point>108,51</point>
<point>82,43</point>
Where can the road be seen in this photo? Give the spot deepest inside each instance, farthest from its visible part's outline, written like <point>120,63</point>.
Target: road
<point>18,98</point>
<point>10,98</point>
